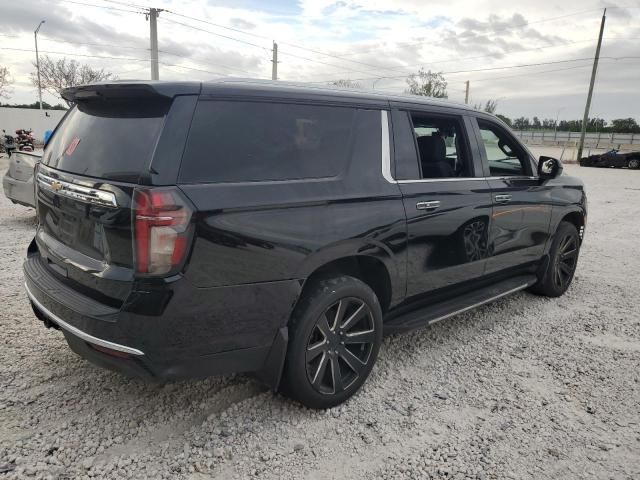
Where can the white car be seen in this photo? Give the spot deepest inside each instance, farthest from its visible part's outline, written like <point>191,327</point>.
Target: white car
<point>18,181</point>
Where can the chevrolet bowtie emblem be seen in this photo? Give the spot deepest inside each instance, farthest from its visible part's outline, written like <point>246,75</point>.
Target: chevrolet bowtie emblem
<point>56,186</point>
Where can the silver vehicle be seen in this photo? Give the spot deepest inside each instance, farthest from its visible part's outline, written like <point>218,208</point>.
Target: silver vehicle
<point>18,181</point>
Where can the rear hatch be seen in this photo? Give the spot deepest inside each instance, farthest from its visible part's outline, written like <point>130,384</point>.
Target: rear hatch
<point>91,169</point>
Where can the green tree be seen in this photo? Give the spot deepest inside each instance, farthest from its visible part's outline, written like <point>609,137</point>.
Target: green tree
<point>35,105</point>
<point>427,84</point>
<point>625,125</point>
<point>521,123</point>
<point>505,119</point>
<point>596,124</point>
<point>489,107</point>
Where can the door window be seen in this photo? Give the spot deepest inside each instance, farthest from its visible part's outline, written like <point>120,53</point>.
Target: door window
<point>441,146</point>
<point>505,157</point>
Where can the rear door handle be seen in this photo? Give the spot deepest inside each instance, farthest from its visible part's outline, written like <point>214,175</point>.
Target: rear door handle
<point>432,205</point>
<point>502,198</point>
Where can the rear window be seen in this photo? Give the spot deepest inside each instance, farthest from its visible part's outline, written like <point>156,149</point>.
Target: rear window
<point>253,141</point>
<point>112,140</point>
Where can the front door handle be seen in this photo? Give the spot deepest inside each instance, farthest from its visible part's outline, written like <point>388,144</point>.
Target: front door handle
<point>432,205</point>
<point>502,198</point>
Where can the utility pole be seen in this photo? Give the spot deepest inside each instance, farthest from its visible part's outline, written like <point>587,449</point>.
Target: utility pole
<point>35,34</point>
<point>153,35</point>
<point>593,80</point>
<point>274,61</point>
<point>466,93</point>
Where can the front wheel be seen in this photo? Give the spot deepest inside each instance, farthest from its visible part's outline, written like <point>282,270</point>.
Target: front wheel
<point>335,334</point>
<point>634,163</point>
<point>563,260</point>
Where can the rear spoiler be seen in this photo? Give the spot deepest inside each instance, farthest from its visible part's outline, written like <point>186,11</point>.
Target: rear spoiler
<point>130,90</point>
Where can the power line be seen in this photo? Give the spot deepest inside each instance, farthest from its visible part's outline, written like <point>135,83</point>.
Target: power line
<point>259,46</point>
<point>342,57</point>
<point>77,54</point>
<point>244,32</point>
<point>133,59</point>
<point>106,7</point>
<point>293,45</point>
<point>458,59</point>
<point>106,45</point>
<point>325,63</point>
<point>137,48</point>
<point>143,7</point>
<point>494,68</point>
<point>307,59</point>
<point>507,27</point>
<point>217,34</point>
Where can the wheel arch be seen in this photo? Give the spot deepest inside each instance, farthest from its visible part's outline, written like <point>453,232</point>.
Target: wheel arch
<point>369,269</point>
<point>577,218</point>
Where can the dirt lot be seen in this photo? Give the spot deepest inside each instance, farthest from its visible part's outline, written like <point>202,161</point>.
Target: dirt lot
<point>527,387</point>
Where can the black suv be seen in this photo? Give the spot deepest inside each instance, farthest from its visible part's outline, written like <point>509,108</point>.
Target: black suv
<point>192,229</point>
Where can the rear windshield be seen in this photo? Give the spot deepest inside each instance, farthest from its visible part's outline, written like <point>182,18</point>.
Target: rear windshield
<point>259,141</point>
<point>112,139</point>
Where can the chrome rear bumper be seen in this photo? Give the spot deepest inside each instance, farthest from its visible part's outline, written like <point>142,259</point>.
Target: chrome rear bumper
<point>77,332</point>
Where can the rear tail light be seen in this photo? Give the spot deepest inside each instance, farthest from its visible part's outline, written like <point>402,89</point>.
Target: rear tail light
<point>162,219</point>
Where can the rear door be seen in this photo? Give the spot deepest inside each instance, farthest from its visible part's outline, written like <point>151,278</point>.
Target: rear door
<point>521,203</point>
<point>447,202</point>
<point>102,150</point>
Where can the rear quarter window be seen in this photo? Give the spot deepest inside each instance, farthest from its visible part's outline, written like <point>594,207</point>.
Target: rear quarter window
<point>236,141</point>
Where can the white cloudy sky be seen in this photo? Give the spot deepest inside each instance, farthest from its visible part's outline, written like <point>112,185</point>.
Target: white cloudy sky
<point>377,42</point>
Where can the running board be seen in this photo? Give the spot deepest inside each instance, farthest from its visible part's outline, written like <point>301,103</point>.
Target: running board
<point>448,308</point>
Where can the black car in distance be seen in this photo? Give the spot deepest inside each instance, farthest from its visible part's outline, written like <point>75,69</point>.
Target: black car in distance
<point>193,229</point>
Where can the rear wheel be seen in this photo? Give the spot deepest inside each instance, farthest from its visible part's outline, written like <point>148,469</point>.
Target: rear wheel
<point>335,335</point>
<point>563,260</point>
<point>634,163</point>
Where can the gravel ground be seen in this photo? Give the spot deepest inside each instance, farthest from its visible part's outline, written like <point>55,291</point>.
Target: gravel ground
<point>527,387</point>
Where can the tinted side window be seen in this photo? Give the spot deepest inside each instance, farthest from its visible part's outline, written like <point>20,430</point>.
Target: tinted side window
<point>504,155</point>
<point>441,146</point>
<point>253,141</point>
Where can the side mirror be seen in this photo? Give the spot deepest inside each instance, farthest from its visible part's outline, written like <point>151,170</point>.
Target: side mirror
<point>549,167</point>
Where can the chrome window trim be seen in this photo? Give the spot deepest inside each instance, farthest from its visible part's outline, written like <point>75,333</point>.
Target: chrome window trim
<point>386,162</point>
<point>514,177</point>
<point>77,192</point>
<point>386,147</point>
<point>444,179</point>
<point>79,333</point>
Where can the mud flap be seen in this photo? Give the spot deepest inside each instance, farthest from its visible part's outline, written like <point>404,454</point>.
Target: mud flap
<point>271,372</point>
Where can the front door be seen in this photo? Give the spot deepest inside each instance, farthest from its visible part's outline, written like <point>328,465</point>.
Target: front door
<point>448,207</point>
<point>521,203</point>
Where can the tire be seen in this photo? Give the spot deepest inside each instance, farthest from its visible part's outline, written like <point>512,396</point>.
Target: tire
<point>634,163</point>
<point>563,259</point>
<point>318,348</point>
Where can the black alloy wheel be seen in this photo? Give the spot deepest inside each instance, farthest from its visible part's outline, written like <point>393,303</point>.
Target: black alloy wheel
<point>566,260</point>
<point>335,333</point>
<point>563,260</point>
<point>339,347</point>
